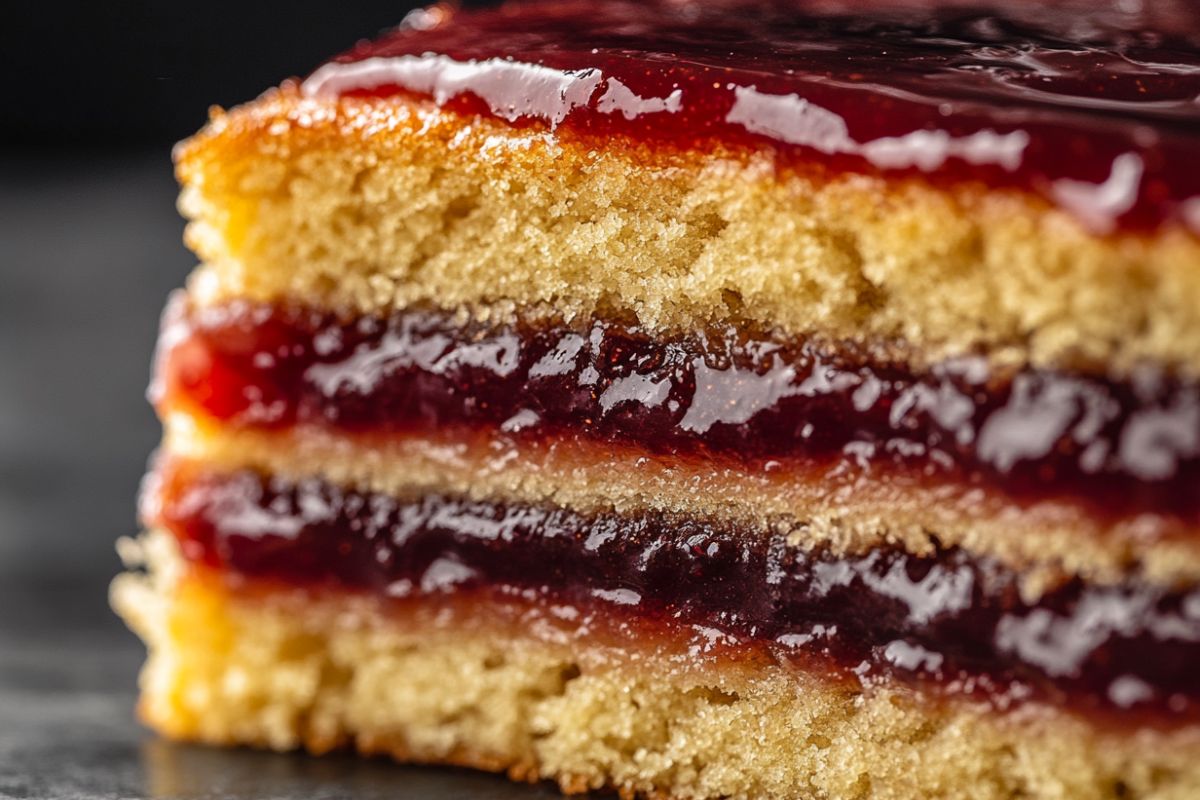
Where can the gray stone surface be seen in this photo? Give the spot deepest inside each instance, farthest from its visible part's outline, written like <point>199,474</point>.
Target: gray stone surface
<point>89,247</point>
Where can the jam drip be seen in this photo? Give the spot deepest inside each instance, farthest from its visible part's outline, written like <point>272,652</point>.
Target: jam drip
<point>1090,108</point>
<point>758,402</point>
<point>947,620</point>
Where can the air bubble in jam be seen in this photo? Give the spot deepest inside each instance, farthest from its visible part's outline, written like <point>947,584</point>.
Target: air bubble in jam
<point>946,620</point>
<point>754,401</point>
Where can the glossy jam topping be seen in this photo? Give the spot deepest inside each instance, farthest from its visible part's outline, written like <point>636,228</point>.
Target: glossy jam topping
<point>759,401</point>
<point>1089,106</point>
<point>946,619</point>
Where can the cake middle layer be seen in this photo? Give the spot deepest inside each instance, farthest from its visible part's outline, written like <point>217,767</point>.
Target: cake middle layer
<point>1116,445</point>
<point>950,620</point>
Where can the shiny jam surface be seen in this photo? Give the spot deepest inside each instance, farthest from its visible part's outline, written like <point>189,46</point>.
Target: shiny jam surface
<point>1089,106</point>
<point>756,401</point>
<point>945,620</point>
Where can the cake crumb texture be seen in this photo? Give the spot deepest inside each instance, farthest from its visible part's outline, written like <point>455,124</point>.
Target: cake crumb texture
<point>369,206</point>
<point>284,669</point>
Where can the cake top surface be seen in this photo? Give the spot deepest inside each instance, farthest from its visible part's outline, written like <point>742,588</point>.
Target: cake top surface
<point>1095,109</point>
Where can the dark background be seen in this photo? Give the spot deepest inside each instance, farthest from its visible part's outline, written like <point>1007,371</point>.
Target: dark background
<point>94,95</point>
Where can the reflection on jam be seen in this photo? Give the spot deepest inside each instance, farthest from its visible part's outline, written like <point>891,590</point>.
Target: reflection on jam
<point>1094,111</point>
<point>1119,447</point>
<point>947,619</point>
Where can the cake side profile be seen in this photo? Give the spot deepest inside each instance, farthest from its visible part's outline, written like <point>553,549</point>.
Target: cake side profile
<point>677,238</point>
<point>737,400</point>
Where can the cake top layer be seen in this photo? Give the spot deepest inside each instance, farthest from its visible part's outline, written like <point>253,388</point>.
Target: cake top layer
<point>1096,111</point>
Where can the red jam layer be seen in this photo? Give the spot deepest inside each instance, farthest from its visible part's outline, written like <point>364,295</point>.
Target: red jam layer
<point>758,401</point>
<point>1088,106</point>
<point>947,619</point>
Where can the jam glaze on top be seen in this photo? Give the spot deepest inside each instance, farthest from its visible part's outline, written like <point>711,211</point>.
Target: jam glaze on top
<point>754,401</point>
<point>950,621</point>
<point>1095,112</point>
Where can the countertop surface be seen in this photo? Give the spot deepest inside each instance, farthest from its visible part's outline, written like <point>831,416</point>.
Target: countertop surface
<point>89,248</point>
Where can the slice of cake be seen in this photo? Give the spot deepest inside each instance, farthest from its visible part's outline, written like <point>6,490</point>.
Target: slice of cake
<point>697,400</point>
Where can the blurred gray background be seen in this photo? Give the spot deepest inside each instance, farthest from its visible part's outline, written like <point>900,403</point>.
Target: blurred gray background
<point>89,247</point>
<point>95,94</point>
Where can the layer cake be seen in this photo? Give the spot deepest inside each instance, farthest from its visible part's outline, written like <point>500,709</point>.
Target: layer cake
<point>696,400</point>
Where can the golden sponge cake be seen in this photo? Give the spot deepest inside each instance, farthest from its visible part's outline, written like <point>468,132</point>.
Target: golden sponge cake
<point>696,400</point>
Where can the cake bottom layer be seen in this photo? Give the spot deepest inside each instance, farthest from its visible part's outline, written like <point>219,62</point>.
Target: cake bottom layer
<point>546,694</point>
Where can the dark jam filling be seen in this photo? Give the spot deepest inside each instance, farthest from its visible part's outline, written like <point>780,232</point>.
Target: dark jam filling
<point>758,402</point>
<point>1092,108</point>
<point>948,620</point>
